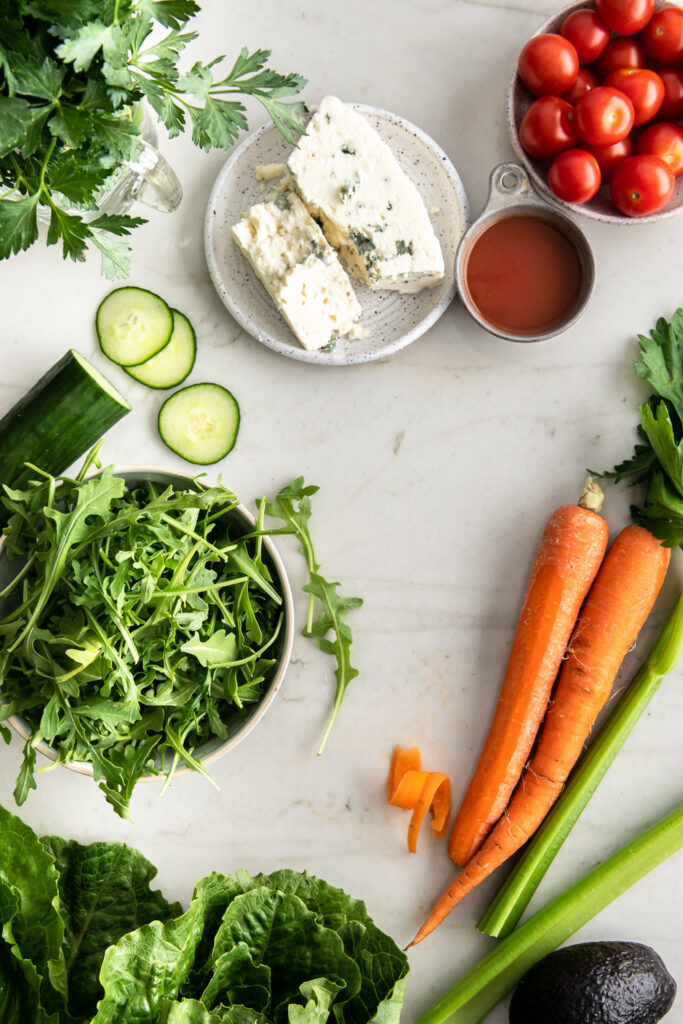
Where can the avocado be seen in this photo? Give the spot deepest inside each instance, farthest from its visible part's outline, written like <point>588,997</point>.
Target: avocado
<point>595,983</point>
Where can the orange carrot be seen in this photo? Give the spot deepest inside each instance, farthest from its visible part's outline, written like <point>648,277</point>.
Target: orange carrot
<point>417,791</point>
<point>569,555</point>
<point>615,610</point>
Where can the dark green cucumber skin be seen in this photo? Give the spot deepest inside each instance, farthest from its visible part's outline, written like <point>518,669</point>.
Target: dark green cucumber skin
<point>56,422</point>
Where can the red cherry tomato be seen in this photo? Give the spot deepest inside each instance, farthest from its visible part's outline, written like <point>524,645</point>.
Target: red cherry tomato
<point>625,17</point>
<point>620,53</point>
<point>609,156</point>
<point>548,64</point>
<point>585,80</point>
<point>663,36</point>
<point>672,107</point>
<point>643,87</point>
<point>665,141</point>
<point>574,176</point>
<point>587,33</point>
<point>603,116</point>
<point>641,185</point>
<point>548,127</point>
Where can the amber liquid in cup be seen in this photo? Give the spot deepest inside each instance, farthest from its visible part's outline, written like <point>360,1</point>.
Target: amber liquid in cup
<point>523,275</point>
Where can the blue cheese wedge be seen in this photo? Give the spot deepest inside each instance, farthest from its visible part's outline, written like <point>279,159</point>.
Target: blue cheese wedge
<point>299,269</point>
<point>369,209</point>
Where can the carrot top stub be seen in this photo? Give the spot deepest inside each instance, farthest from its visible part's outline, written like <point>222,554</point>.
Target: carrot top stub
<point>567,560</point>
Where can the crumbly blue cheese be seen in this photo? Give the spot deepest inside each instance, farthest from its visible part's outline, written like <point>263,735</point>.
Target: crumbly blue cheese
<point>299,269</point>
<point>369,209</point>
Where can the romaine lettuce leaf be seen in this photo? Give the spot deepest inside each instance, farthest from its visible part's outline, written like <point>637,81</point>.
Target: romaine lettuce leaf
<point>104,892</point>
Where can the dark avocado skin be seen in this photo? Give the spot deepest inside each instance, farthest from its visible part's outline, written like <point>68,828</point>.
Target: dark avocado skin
<point>595,983</point>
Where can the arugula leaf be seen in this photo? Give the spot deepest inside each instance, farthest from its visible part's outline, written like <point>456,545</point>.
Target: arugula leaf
<point>293,506</point>
<point>136,638</point>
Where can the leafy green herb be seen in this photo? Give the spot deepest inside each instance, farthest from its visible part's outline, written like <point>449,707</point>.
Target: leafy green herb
<point>71,77</point>
<point>657,460</point>
<point>143,625</point>
<point>83,940</point>
<point>293,506</point>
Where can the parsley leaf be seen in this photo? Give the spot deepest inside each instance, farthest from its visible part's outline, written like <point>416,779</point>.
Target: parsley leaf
<point>658,456</point>
<point>18,224</point>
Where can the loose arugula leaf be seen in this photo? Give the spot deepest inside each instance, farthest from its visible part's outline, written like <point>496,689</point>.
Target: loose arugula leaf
<point>293,506</point>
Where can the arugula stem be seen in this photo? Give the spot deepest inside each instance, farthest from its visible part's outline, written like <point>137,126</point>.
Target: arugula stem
<point>512,898</point>
<point>6,591</point>
<point>471,999</point>
<point>191,533</point>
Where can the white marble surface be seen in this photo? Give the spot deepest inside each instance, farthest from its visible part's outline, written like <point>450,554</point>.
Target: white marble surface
<point>437,470</point>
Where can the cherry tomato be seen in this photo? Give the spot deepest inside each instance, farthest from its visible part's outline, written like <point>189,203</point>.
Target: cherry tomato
<point>548,65</point>
<point>665,141</point>
<point>620,53</point>
<point>603,116</point>
<point>585,80</point>
<point>643,87</point>
<point>625,17</point>
<point>587,33</point>
<point>548,127</point>
<point>672,107</point>
<point>641,185</point>
<point>574,176</point>
<point>609,156</point>
<point>663,36</point>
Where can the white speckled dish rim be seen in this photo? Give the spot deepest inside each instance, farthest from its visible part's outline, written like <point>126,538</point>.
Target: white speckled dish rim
<point>391,320</point>
<point>519,99</point>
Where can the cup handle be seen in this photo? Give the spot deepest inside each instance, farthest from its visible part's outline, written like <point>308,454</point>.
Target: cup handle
<point>507,182</point>
<point>158,184</point>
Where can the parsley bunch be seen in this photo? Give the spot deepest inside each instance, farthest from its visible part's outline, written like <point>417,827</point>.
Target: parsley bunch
<point>71,72</point>
<point>657,460</point>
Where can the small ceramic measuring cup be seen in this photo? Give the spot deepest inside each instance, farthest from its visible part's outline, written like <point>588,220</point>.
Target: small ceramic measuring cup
<point>510,195</point>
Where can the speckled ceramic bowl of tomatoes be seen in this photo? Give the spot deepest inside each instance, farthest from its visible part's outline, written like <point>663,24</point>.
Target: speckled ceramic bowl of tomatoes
<point>600,207</point>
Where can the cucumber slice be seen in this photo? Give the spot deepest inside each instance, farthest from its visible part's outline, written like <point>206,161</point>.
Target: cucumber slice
<point>172,365</point>
<point>133,325</point>
<point>60,418</point>
<point>200,423</point>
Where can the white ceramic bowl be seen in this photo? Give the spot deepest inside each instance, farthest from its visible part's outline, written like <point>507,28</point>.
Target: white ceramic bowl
<point>600,207</point>
<point>238,725</point>
<point>391,320</point>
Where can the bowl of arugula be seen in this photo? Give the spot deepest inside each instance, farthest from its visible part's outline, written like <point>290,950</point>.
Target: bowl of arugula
<point>146,624</point>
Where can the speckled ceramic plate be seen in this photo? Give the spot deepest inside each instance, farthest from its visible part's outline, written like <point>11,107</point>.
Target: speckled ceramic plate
<point>391,320</point>
<point>600,207</point>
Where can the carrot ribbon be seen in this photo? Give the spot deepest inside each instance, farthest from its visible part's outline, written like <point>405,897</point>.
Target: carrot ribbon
<point>415,790</point>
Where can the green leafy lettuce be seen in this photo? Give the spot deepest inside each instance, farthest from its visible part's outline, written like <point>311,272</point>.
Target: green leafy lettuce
<point>86,941</point>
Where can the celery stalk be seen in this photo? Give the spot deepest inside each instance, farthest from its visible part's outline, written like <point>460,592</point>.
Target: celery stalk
<point>477,993</point>
<point>512,898</point>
